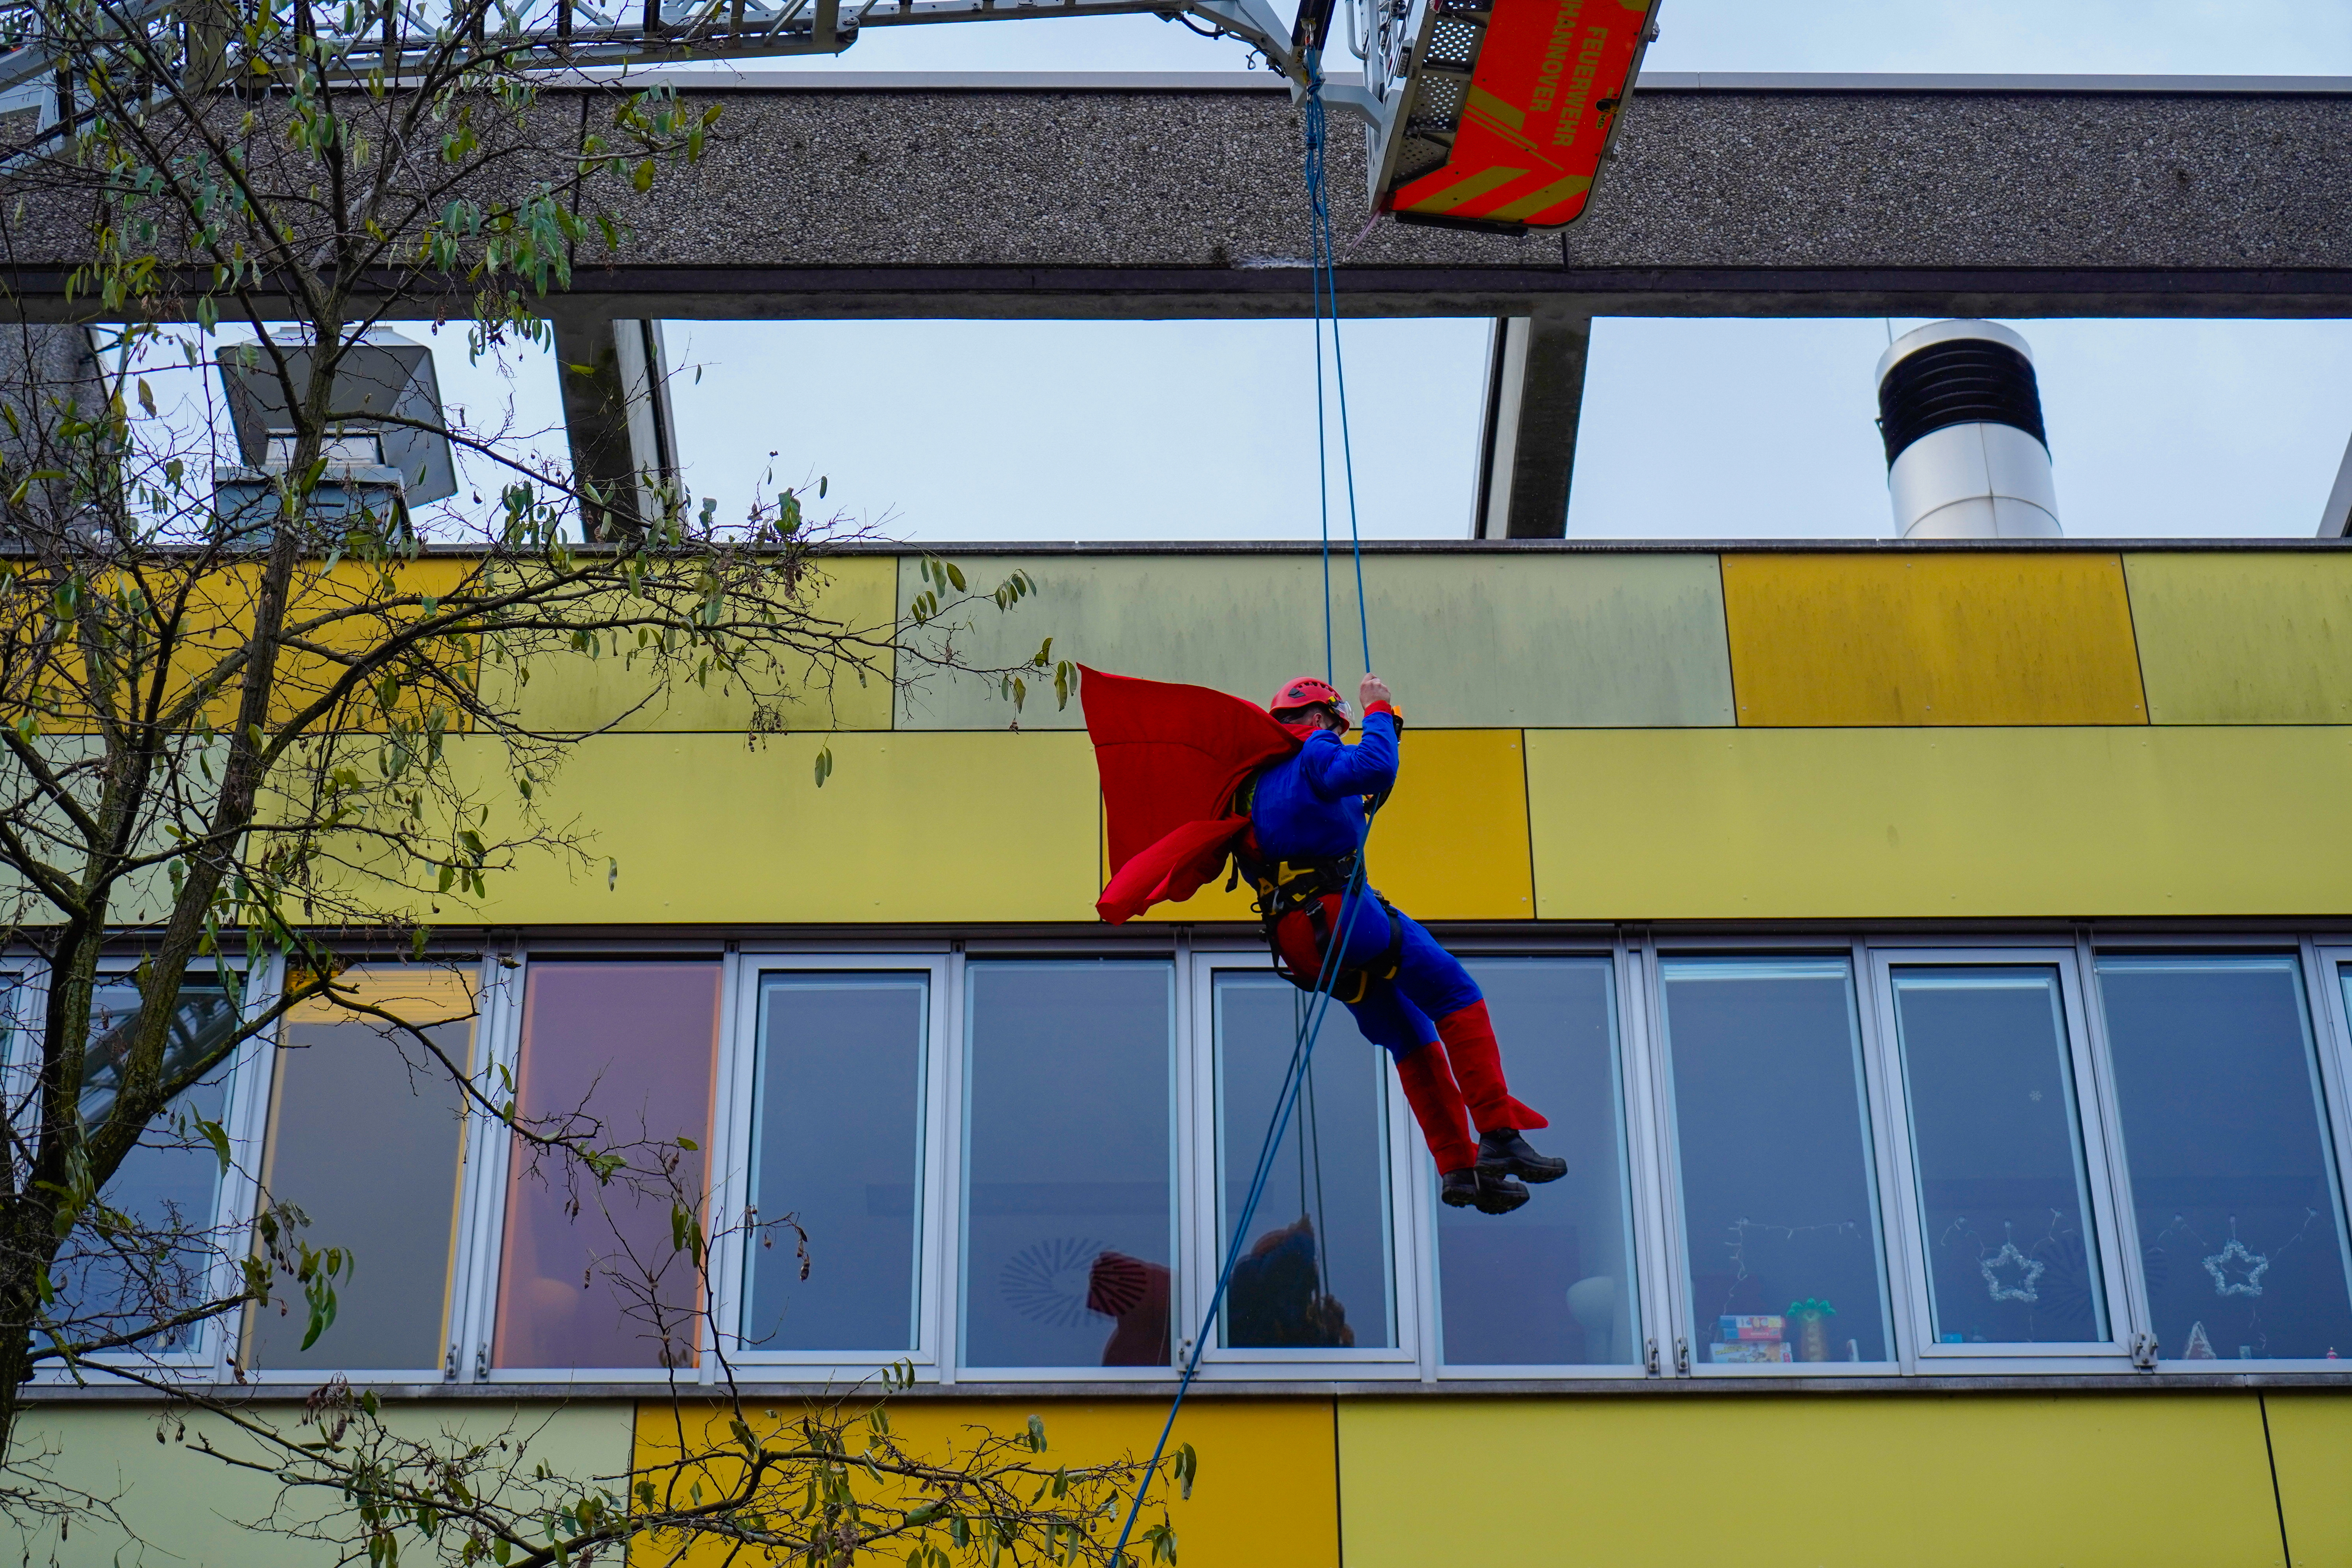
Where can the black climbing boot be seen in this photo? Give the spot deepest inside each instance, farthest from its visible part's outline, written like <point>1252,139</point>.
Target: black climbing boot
<point>1489,1192</point>
<point>1504,1153</point>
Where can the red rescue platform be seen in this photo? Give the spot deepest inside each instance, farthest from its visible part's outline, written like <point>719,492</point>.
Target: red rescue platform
<point>1513,106</point>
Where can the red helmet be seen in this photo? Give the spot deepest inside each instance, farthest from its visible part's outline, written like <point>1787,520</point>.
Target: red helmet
<point>1305,691</point>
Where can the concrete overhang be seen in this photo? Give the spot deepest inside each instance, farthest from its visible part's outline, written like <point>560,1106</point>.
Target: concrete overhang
<point>1056,195</point>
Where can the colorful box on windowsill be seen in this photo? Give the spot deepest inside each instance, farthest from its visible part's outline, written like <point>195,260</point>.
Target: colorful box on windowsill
<point>1769,1328</point>
<point>1750,1351</point>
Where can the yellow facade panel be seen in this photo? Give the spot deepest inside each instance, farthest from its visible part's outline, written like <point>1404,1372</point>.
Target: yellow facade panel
<point>1266,1493</point>
<point>573,693</point>
<point>339,607</point>
<point>1798,1482</point>
<point>1451,844</point>
<point>2239,638</point>
<point>1994,638</point>
<point>704,829</point>
<point>1895,823</point>
<point>1495,639</point>
<point>2311,1447</point>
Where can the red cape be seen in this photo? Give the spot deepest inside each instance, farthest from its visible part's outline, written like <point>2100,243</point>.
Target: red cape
<point>1171,757</point>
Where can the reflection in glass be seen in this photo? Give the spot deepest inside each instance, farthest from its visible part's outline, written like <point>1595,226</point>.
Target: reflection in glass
<point>169,1184</point>
<point>2233,1171</point>
<point>1317,1272</point>
<point>1068,1145</point>
<point>1996,1149</point>
<point>623,1054</point>
<point>1553,1284</point>
<point>836,1149</point>
<point>1780,1207</point>
<point>365,1134</point>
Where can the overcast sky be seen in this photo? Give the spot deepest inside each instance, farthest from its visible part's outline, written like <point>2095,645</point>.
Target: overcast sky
<point>974,430</point>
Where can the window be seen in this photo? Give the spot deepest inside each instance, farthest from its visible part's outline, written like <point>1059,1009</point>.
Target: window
<point>1318,1271</point>
<point>1031,1167</point>
<point>2233,1171</point>
<point>2007,1223</point>
<point>621,1055</point>
<point>833,1262</point>
<point>171,1182</point>
<point>365,1137</point>
<point>1553,1284</point>
<point>1069,1152</point>
<point>1779,1209</point>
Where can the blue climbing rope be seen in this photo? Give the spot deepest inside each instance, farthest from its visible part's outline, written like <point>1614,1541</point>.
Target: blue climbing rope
<point>1302,1048</point>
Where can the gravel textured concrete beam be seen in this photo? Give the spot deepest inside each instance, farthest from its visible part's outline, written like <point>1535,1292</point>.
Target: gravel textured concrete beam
<point>1765,197</point>
<point>1720,201</point>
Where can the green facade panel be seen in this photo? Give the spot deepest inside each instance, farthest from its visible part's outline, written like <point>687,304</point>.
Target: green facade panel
<point>1500,640</point>
<point>2243,638</point>
<point>172,1503</point>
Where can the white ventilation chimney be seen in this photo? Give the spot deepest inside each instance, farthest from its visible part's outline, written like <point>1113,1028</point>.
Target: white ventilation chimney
<point>1966,454</point>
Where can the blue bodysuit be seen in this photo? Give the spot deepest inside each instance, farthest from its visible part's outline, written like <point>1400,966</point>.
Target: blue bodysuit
<point>1310,807</point>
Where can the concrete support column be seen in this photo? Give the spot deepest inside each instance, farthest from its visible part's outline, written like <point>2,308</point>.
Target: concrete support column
<point>616,412</point>
<point>2336,517</point>
<point>1527,451</point>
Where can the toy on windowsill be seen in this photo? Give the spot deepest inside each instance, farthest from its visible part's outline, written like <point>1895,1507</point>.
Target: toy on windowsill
<point>1746,1339</point>
<point>1810,1319</point>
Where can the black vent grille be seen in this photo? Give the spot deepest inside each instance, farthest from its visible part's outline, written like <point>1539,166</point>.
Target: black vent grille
<point>1961,381</point>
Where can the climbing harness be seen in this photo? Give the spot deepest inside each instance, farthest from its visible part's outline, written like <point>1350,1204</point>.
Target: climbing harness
<point>1313,889</point>
<point>1319,997</point>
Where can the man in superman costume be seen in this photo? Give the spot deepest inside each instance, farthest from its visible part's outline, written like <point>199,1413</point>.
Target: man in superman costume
<point>1191,777</point>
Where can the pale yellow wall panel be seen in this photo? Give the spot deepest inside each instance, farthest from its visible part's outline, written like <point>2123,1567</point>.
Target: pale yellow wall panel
<point>190,1510</point>
<point>2311,1447</point>
<point>1898,822</point>
<point>572,693</point>
<point>1482,640</point>
<point>2049,1480</point>
<point>1451,844</point>
<point>2239,638</point>
<point>704,829</point>
<point>1903,638</point>
<point>1267,1491</point>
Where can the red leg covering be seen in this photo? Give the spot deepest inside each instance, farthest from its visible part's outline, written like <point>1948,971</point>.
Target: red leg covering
<point>1469,1038</point>
<point>1436,1102</point>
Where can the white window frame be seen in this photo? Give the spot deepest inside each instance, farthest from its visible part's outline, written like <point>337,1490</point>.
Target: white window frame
<point>2323,1016</point>
<point>1635,1121</point>
<point>735,1138</point>
<point>1909,1245</point>
<point>482,1206</point>
<point>245,1110</point>
<point>454,1300</point>
<point>952,1145</point>
<point>1685,1359</point>
<point>1412,1252</point>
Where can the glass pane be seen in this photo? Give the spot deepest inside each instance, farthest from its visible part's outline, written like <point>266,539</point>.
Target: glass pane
<point>2233,1171</point>
<point>1317,1272</point>
<point>629,1048</point>
<point>1068,1151</point>
<point>1780,1207</point>
<point>1553,1284</point>
<point>383,1184</point>
<point>170,1183</point>
<point>1997,1149</point>
<point>838,1148</point>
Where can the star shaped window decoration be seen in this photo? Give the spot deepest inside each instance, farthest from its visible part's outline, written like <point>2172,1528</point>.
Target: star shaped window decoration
<point>2236,1271</point>
<point>2029,1273</point>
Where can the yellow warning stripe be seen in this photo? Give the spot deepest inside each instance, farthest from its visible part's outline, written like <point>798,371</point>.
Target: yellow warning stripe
<point>1468,188</point>
<point>1527,207</point>
<point>1485,105</point>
